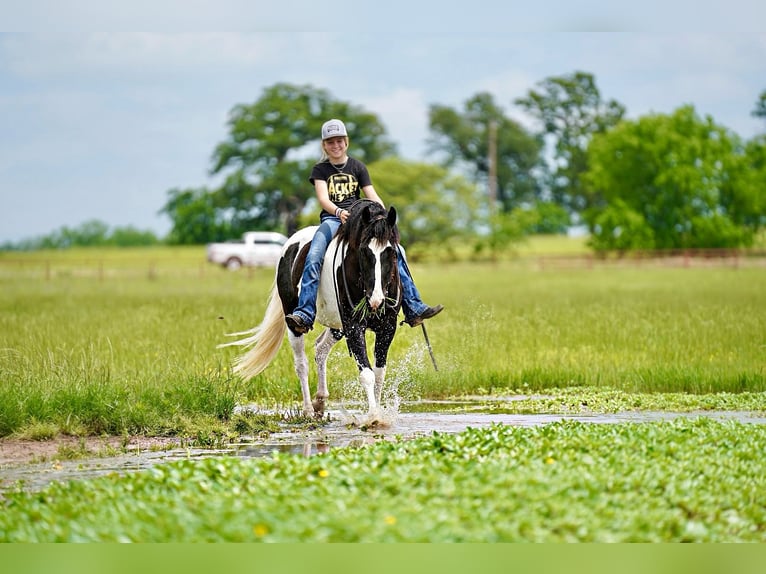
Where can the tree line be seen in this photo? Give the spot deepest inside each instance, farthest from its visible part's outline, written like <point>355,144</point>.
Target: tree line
<point>674,180</point>
<point>661,181</point>
<point>92,233</point>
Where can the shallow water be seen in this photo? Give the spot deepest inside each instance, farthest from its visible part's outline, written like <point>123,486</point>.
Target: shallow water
<point>344,429</point>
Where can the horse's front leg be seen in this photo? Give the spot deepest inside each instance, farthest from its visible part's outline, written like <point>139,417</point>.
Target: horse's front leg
<point>358,348</point>
<point>301,364</point>
<point>383,341</point>
<point>322,347</point>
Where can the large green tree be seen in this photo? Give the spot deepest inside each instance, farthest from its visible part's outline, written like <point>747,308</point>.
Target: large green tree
<point>463,137</point>
<point>571,111</point>
<point>272,144</point>
<point>673,181</point>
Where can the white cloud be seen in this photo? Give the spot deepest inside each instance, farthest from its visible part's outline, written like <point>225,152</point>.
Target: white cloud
<point>135,53</point>
<point>102,124</point>
<point>404,112</point>
<point>481,16</point>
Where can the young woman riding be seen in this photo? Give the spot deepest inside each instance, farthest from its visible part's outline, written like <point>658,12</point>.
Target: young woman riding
<point>338,181</point>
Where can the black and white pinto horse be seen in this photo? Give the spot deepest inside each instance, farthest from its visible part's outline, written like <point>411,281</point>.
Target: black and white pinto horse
<point>359,290</point>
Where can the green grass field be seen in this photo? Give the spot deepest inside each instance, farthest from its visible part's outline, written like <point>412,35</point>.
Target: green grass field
<point>112,348</point>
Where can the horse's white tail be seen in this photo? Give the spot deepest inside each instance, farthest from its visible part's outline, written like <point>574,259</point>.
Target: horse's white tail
<point>265,339</point>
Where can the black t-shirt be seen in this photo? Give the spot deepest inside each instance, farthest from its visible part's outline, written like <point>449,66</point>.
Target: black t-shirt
<point>344,183</point>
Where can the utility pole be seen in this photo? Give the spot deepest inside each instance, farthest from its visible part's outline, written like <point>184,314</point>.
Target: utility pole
<point>492,152</point>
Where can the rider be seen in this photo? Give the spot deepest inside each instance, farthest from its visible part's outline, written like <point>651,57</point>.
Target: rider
<point>338,180</point>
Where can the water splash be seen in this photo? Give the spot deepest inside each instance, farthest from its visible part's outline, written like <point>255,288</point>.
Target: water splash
<point>348,396</point>
<point>382,418</point>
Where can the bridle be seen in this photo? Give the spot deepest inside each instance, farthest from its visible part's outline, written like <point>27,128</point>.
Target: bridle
<point>344,248</point>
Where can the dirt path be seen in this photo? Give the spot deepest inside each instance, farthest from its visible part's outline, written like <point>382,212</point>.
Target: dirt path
<point>20,451</point>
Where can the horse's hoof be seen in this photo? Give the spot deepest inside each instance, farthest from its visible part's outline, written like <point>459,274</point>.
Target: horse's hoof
<point>318,405</point>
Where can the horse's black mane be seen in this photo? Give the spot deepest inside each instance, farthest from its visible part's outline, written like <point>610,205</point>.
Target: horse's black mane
<point>368,220</point>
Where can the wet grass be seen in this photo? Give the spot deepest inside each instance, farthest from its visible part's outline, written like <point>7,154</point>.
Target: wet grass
<point>135,353</point>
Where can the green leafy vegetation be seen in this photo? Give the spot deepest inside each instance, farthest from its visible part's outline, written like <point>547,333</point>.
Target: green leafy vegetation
<point>682,481</point>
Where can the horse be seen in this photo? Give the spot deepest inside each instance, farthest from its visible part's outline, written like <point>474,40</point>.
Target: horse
<point>359,290</point>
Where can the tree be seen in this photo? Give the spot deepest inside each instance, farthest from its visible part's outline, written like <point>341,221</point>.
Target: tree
<point>464,140</point>
<point>195,217</point>
<point>619,227</point>
<point>571,111</point>
<point>91,233</point>
<point>130,236</point>
<point>676,180</point>
<point>269,152</point>
<point>752,206</point>
<point>434,206</point>
<point>546,218</point>
<point>760,106</point>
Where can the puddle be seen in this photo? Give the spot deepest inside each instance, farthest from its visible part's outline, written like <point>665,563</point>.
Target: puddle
<point>337,433</point>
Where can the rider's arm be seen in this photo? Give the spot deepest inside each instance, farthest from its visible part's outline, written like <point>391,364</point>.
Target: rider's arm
<point>323,195</point>
<point>370,193</point>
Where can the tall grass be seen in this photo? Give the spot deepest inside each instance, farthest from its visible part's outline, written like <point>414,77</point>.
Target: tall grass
<point>136,353</point>
<point>692,330</point>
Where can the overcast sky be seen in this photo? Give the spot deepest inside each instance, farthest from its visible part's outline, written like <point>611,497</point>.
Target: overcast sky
<point>100,125</point>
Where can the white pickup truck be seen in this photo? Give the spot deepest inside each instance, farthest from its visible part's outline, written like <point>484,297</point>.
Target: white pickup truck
<point>255,249</point>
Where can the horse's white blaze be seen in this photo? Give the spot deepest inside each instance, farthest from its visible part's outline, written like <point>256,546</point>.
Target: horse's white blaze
<point>377,297</point>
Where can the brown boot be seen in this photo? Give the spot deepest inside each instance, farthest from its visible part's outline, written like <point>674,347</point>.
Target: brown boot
<point>296,325</point>
<point>427,314</point>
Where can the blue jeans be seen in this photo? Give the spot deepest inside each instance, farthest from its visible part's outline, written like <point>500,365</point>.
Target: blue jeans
<point>412,304</point>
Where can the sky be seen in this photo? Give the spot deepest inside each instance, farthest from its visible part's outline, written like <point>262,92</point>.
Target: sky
<point>102,124</point>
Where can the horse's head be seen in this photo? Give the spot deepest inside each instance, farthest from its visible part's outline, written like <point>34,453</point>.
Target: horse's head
<point>371,232</point>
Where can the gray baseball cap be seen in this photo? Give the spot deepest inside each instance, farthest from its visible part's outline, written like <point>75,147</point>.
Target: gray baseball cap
<point>333,129</point>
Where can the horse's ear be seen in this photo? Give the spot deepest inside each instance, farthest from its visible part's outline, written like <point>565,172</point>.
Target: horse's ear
<point>391,216</point>
<point>366,214</point>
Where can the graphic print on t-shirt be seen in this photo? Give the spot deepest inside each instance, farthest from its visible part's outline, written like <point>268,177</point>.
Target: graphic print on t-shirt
<point>341,186</point>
